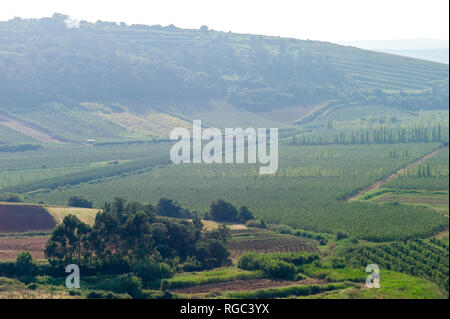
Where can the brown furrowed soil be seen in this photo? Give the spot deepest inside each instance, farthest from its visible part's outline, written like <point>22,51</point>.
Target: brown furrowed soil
<point>378,184</point>
<point>10,247</point>
<point>23,218</point>
<point>266,241</point>
<point>244,285</point>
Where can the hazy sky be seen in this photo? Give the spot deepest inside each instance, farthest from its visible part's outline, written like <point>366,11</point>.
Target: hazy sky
<point>326,20</point>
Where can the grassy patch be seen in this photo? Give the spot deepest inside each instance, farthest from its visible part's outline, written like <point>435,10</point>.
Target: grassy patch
<point>86,215</point>
<point>334,275</point>
<point>284,292</point>
<point>190,279</point>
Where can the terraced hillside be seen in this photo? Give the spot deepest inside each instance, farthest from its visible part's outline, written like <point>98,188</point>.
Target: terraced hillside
<point>112,82</point>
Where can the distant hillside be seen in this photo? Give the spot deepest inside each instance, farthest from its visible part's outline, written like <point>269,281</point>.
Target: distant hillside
<point>401,44</point>
<point>436,55</point>
<point>426,49</point>
<point>121,82</point>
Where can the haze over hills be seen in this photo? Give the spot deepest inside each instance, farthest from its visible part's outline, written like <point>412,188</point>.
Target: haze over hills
<point>113,81</point>
<point>426,49</point>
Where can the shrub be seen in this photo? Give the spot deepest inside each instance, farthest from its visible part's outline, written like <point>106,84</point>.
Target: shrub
<point>337,263</point>
<point>251,261</point>
<point>341,235</point>
<point>169,208</point>
<point>149,270</point>
<point>126,283</point>
<point>24,264</point>
<point>275,265</point>
<point>284,229</point>
<point>221,210</point>
<point>32,286</point>
<point>100,294</point>
<point>11,198</point>
<point>73,292</point>
<point>165,284</point>
<point>297,259</point>
<point>7,268</point>
<point>79,201</point>
<point>192,264</point>
<point>244,214</point>
<point>309,234</point>
<point>279,269</point>
<point>130,284</point>
<point>211,253</point>
<point>299,277</point>
<point>257,223</point>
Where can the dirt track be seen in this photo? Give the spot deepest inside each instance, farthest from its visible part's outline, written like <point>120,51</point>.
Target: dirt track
<point>390,177</point>
<point>26,130</point>
<point>244,285</point>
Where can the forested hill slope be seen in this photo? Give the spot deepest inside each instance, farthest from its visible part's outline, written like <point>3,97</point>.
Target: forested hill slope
<point>143,67</point>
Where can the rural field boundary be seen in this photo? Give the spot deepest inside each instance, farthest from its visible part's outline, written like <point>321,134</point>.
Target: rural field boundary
<point>378,184</point>
<point>27,130</point>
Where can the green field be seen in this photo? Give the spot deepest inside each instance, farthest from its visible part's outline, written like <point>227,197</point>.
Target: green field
<point>437,200</point>
<point>303,205</point>
<point>433,174</point>
<point>307,192</point>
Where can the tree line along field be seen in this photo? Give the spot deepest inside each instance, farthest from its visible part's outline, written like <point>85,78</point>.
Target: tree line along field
<point>307,192</point>
<point>433,174</point>
<point>379,129</point>
<point>59,164</point>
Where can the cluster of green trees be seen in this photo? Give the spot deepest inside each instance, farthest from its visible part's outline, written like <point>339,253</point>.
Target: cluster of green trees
<point>221,210</point>
<point>79,201</point>
<point>128,236</point>
<point>24,266</point>
<point>430,175</point>
<point>276,265</point>
<point>427,259</point>
<point>285,229</point>
<point>379,135</point>
<point>11,197</point>
<point>169,208</point>
<point>19,148</point>
<point>97,173</point>
<point>425,170</point>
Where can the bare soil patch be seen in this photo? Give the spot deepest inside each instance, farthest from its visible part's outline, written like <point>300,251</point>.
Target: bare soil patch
<point>29,131</point>
<point>24,218</point>
<point>10,247</point>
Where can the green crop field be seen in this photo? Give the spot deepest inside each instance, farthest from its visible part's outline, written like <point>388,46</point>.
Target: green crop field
<point>307,192</point>
<point>433,174</point>
<point>10,137</point>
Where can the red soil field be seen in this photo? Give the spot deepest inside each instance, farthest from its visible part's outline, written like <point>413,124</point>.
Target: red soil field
<point>264,241</point>
<point>23,218</point>
<point>10,247</point>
